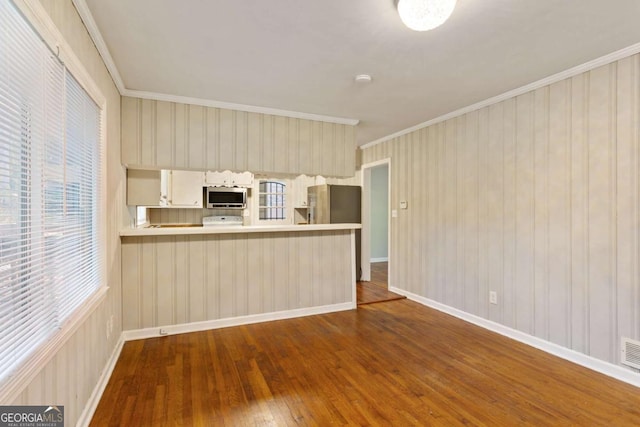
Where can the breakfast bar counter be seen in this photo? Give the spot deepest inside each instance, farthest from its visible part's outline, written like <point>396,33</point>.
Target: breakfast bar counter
<point>181,278</point>
<point>182,229</point>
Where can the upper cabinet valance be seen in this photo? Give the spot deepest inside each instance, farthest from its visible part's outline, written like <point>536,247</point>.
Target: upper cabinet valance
<point>169,135</point>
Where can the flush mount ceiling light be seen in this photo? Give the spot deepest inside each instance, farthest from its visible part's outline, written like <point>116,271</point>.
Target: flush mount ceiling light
<point>423,15</point>
<point>362,78</point>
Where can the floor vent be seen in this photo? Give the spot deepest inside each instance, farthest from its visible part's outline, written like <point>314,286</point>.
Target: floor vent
<point>631,353</point>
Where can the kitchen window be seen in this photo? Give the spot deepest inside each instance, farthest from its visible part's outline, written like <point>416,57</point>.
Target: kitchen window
<point>272,200</point>
<point>50,188</point>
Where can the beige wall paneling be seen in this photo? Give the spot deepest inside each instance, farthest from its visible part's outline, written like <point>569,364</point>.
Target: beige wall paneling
<point>559,197</point>
<point>509,291</point>
<point>328,147</point>
<point>579,214</point>
<point>179,148</point>
<point>498,200</point>
<point>524,214</point>
<point>194,281</point>
<point>601,147</point>
<point>483,218</point>
<point>293,145</point>
<point>413,197</point>
<point>212,137</point>
<point>242,141</point>
<point>148,141</point>
<point>170,280</point>
<point>197,146</point>
<point>541,212</point>
<point>254,133</point>
<point>535,197</point>
<point>176,216</point>
<point>131,122</point>
<point>268,145</point>
<point>627,180</point>
<point>468,155</point>
<point>226,131</point>
<point>167,135</point>
<point>349,149</point>
<point>70,376</point>
<point>306,146</point>
<point>281,144</point>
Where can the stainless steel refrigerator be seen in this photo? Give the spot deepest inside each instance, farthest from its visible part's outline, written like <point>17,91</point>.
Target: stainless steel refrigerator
<point>336,204</point>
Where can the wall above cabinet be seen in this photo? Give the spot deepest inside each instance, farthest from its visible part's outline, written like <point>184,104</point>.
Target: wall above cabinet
<point>169,135</point>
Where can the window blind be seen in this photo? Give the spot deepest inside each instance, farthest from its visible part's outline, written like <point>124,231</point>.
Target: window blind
<point>49,183</point>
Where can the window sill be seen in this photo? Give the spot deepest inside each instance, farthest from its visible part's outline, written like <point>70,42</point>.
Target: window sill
<point>22,377</point>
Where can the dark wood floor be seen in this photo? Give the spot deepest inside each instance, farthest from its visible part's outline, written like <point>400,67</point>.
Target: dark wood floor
<point>393,364</point>
<point>376,290</point>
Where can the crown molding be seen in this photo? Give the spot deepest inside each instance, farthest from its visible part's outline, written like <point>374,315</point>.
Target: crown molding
<point>238,107</point>
<point>571,72</point>
<point>98,41</point>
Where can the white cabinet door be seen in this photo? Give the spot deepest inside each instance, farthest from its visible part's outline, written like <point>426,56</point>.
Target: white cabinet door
<point>144,188</point>
<point>228,179</point>
<point>300,185</point>
<point>217,179</point>
<point>185,189</point>
<point>244,179</point>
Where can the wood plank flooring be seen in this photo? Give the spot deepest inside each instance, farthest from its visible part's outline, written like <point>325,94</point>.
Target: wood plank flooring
<point>391,364</point>
<point>376,290</point>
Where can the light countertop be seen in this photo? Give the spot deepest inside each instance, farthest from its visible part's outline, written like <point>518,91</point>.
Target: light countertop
<point>182,230</point>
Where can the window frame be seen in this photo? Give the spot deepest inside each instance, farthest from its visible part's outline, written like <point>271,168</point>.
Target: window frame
<point>37,17</point>
<point>255,203</point>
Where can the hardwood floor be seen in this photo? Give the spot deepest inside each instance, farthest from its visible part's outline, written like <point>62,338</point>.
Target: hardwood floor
<point>394,364</point>
<point>376,290</point>
<point>380,273</point>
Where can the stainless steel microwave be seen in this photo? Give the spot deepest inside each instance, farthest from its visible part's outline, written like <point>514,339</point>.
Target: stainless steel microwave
<point>226,198</point>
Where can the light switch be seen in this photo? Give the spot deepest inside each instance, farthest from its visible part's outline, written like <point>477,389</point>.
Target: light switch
<point>394,213</point>
<point>403,204</point>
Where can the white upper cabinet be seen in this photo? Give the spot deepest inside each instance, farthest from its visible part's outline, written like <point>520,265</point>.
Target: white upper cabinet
<point>144,188</point>
<point>165,188</point>
<point>185,189</point>
<point>169,135</point>
<point>228,179</point>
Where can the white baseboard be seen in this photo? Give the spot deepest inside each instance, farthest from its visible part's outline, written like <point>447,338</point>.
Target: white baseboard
<point>383,259</point>
<point>606,368</point>
<point>96,395</point>
<point>233,321</point>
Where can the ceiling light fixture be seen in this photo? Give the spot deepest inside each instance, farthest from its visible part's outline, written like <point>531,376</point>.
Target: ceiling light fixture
<point>423,15</point>
<point>362,78</point>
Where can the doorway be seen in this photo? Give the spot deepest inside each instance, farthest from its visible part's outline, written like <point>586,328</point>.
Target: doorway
<point>374,284</point>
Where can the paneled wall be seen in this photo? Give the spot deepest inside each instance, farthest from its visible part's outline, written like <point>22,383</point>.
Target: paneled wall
<point>536,198</point>
<point>70,376</point>
<point>181,136</point>
<point>170,280</point>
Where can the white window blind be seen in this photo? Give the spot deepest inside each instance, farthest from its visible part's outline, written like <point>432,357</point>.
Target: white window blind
<point>49,191</point>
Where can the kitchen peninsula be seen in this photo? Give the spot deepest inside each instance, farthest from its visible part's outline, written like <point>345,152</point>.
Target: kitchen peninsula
<point>179,279</point>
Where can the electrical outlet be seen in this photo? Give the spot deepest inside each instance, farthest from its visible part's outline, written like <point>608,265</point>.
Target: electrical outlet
<point>493,297</point>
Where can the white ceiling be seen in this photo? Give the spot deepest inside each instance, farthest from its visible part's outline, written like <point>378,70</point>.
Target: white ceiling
<point>303,55</point>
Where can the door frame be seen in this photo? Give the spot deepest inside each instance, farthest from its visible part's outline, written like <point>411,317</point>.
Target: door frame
<point>366,218</point>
